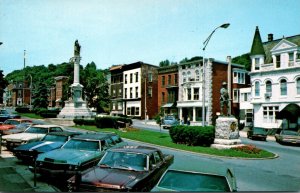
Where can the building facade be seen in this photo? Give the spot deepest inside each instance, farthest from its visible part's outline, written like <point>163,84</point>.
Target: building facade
<point>275,79</point>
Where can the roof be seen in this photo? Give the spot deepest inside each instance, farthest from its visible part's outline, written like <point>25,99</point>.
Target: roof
<point>46,126</point>
<point>116,67</point>
<point>257,46</point>
<point>64,133</point>
<point>94,136</point>
<point>136,149</point>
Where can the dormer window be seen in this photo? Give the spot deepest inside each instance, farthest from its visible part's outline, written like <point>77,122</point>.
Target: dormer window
<point>256,63</point>
<point>278,61</point>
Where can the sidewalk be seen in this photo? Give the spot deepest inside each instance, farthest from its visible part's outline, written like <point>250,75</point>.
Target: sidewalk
<point>15,177</point>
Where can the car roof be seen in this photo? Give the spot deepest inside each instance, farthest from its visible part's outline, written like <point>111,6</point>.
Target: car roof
<point>46,126</point>
<point>20,119</point>
<point>93,136</point>
<point>64,133</point>
<point>135,149</point>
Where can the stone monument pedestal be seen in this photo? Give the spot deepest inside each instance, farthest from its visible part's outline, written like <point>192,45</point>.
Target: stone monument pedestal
<point>227,133</point>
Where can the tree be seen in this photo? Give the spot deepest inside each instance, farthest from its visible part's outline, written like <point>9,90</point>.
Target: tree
<point>3,85</point>
<point>243,60</point>
<point>164,63</point>
<point>40,96</point>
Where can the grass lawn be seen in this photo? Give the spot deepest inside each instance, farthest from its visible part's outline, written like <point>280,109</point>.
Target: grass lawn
<point>30,115</point>
<point>164,139</point>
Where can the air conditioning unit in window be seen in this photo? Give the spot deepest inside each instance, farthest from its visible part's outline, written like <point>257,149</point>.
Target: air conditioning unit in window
<point>268,95</point>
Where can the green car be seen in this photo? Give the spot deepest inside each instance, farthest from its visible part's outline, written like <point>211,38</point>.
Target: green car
<point>78,154</point>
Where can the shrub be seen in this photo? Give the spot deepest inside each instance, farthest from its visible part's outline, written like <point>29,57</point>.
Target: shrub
<point>47,113</point>
<point>250,149</point>
<point>22,110</point>
<point>192,135</point>
<point>111,122</point>
<point>84,121</point>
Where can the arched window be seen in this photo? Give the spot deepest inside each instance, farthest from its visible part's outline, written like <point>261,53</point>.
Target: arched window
<point>197,75</point>
<point>283,87</point>
<point>189,75</point>
<point>257,89</point>
<point>298,86</point>
<point>268,87</point>
<point>183,77</point>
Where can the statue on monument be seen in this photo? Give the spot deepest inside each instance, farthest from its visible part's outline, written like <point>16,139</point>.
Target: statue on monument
<point>77,48</point>
<point>224,99</point>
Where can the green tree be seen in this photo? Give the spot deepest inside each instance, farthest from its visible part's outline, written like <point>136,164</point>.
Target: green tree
<point>164,63</point>
<point>3,85</point>
<point>40,96</point>
<point>243,60</point>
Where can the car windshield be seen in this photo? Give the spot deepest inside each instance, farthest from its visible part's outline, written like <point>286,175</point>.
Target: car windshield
<point>82,145</point>
<point>289,132</point>
<point>169,118</point>
<point>124,160</point>
<point>36,130</point>
<point>189,181</point>
<point>11,122</point>
<point>59,138</point>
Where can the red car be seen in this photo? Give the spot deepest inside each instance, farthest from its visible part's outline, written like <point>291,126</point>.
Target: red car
<point>12,123</point>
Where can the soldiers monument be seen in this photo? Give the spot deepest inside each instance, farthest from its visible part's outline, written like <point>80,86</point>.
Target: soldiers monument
<point>75,107</point>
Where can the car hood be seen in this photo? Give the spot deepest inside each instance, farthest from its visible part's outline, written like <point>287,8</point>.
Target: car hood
<point>6,127</point>
<point>68,156</point>
<point>40,146</point>
<point>23,136</point>
<point>112,178</point>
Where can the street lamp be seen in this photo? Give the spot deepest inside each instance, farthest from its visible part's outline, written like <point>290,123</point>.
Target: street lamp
<point>225,25</point>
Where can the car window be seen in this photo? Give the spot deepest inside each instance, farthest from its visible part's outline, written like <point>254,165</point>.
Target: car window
<point>55,129</point>
<point>82,145</point>
<point>116,139</point>
<point>289,132</point>
<point>11,122</point>
<point>59,138</point>
<point>36,130</point>
<point>157,157</point>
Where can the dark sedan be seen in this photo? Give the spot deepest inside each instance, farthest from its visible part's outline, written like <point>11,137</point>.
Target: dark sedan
<point>28,152</point>
<point>132,168</point>
<point>257,133</point>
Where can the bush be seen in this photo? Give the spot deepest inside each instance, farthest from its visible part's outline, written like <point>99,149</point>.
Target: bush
<point>192,135</point>
<point>84,121</point>
<point>47,113</point>
<point>111,122</point>
<point>22,110</point>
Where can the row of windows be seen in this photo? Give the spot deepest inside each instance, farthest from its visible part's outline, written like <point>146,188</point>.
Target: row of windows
<point>136,77</point>
<point>133,111</point>
<point>188,76</point>
<point>169,80</point>
<point>191,94</point>
<point>277,60</point>
<point>149,91</point>
<point>117,106</point>
<point>283,87</point>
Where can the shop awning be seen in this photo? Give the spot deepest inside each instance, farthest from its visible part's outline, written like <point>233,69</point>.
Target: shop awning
<point>290,111</point>
<point>168,105</point>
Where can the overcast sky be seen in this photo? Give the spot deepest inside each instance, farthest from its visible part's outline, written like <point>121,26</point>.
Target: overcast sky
<point>125,31</point>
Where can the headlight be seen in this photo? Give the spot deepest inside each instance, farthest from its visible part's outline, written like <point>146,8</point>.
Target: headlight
<point>73,167</point>
<point>23,141</point>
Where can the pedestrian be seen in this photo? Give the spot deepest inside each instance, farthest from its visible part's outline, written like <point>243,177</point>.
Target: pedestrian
<point>188,121</point>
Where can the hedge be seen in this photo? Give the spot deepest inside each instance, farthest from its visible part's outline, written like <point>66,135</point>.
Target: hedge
<point>111,122</point>
<point>22,110</point>
<point>84,121</point>
<point>192,135</point>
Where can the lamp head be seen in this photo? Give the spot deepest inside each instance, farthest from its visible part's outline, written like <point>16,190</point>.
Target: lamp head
<point>225,25</point>
<point>1,43</point>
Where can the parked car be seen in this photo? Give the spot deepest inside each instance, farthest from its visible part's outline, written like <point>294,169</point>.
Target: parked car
<point>54,140</point>
<point>131,168</point>
<point>288,137</point>
<point>31,134</point>
<point>4,115</point>
<point>257,133</point>
<point>79,153</point>
<point>169,121</point>
<point>12,123</point>
<point>18,129</point>
<point>198,180</point>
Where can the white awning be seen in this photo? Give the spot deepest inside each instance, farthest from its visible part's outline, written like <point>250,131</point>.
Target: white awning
<point>168,105</point>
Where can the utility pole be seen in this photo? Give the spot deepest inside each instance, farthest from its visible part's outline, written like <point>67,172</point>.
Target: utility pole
<point>24,80</point>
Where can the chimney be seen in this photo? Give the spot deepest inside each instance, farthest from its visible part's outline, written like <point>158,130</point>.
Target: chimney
<point>270,37</point>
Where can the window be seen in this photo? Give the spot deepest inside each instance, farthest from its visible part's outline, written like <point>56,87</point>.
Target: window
<point>120,92</point>
<point>113,106</point>
<point>239,77</point>
<point>189,75</point>
<point>196,93</point>
<point>120,106</point>
<point>125,93</point>
<point>269,113</point>
<point>163,97</point>
<point>197,75</point>
<point>257,89</point>
<point>184,76</point>
<point>169,79</point>
<point>150,77</point>
<point>235,95</point>
<point>291,59</point>
<point>114,92</point>
<point>175,79</point>
<point>137,111</point>
<point>128,110</point>
<point>131,93</point>
<point>189,94</point>
<point>136,77</point>
<point>283,87</point>
<point>298,86</point>
<point>278,61</point>
<point>125,78</point>
<point>163,81</point>
<point>150,91</point>
<point>131,77</point>
<point>136,92</point>
<point>268,87</point>
<point>257,63</point>
<point>132,110</point>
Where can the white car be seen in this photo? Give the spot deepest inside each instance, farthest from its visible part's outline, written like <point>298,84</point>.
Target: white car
<point>31,134</point>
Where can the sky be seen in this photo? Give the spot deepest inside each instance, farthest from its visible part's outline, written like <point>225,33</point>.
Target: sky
<point>113,32</point>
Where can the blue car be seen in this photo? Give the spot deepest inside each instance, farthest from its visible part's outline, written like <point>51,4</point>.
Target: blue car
<point>54,140</point>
